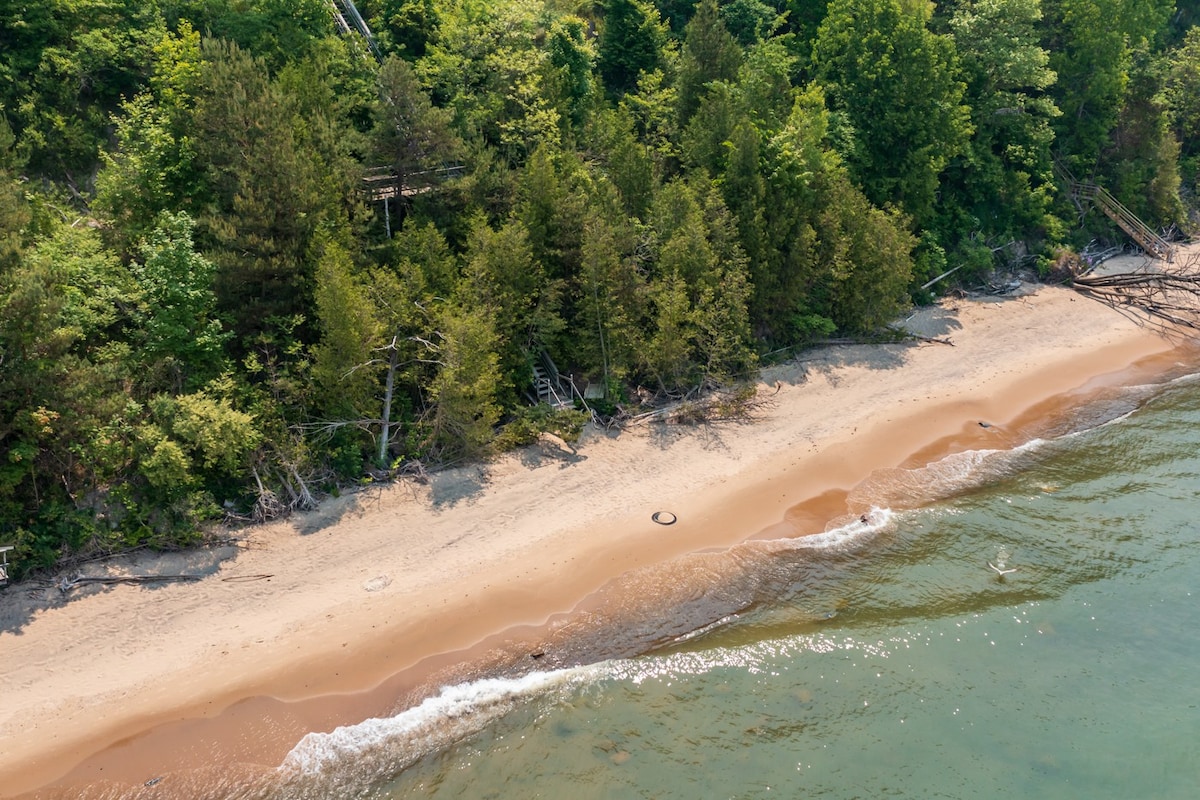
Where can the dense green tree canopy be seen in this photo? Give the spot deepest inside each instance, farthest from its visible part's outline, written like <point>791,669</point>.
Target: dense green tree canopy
<point>205,310</point>
<point>898,84</point>
<point>1003,182</point>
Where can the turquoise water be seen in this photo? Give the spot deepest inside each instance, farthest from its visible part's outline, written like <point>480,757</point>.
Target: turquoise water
<point>883,659</point>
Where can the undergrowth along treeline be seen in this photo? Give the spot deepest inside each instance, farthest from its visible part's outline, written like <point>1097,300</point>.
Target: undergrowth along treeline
<point>203,313</point>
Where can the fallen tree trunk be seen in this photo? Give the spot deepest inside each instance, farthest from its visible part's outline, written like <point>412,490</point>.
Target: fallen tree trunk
<point>67,584</point>
<point>1170,300</point>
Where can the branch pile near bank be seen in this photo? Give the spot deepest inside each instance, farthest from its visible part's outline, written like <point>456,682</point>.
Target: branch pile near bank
<point>1168,298</point>
<point>737,403</point>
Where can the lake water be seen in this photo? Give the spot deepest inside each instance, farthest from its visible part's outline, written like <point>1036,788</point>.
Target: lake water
<point>884,658</point>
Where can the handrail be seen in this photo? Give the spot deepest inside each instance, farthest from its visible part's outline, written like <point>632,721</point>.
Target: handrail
<point>360,25</point>
<point>1115,210</point>
<point>382,183</point>
<point>1128,222</point>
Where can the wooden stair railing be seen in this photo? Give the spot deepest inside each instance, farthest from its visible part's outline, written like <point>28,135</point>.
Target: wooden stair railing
<point>1139,231</point>
<point>1126,220</point>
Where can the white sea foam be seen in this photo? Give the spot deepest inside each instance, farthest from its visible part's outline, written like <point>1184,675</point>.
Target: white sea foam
<point>941,479</point>
<point>1186,378</point>
<point>457,711</point>
<point>848,535</point>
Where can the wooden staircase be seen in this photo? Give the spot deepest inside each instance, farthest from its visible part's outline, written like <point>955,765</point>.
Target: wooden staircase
<point>4,564</point>
<point>1126,220</point>
<point>548,384</point>
<point>356,23</point>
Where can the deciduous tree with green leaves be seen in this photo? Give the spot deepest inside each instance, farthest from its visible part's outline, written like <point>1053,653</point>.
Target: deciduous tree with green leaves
<point>1003,184</point>
<point>180,340</point>
<point>898,84</point>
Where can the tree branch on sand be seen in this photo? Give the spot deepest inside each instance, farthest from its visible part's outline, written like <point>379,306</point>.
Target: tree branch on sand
<point>738,403</point>
<point>1167,297</point>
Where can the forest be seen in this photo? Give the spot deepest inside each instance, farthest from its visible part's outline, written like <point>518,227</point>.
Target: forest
<point>253,252</point>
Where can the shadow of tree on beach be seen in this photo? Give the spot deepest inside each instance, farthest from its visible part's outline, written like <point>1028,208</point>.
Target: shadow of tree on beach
<point>21,602</point>
<point>827,361</point>
<point>932,321</point>
<point>447,488</point>
<point>330,512</point>
<point>549,450</point>
<point>664,435</point>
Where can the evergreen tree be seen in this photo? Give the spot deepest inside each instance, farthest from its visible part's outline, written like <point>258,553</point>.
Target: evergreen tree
<point>709,54</point>
<point>611,296</point>
<point>505,282</point>
<point>1141,163</point>
<point>1182,95</point>
<point>272,190</point>
<point>407,25</point>
<point>896,82</point>
<point>464,394</point>
<point>1090,43</point>
<point>571,61</point>
<point>1002,184</point>
<point>411,136</point>
<point>631,44</point>
<point>346,366</point>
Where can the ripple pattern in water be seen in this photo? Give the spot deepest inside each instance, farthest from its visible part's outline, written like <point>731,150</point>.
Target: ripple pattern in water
<point>897,663</point>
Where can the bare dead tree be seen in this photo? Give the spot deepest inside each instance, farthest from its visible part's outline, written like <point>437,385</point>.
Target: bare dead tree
<point>1166,296</point>
<point>267,506</point>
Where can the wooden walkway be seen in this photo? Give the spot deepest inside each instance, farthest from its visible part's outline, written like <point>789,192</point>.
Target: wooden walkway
<point>1146,237</point>
<point>381,183</point>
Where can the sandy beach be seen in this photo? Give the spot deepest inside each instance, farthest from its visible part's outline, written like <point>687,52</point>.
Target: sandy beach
<point>320,619</point>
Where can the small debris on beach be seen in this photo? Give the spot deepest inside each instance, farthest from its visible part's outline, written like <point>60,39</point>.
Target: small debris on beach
<point>377,583</point>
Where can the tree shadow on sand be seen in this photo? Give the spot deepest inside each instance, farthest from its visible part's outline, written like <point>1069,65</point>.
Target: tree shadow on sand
<point>149,570</point>
<point>447,488</point>
<point>930,324</point>
<point>549,449</point>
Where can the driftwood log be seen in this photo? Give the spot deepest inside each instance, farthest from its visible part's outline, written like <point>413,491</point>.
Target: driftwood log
<point>1167,296</point>
<point>67,584</point>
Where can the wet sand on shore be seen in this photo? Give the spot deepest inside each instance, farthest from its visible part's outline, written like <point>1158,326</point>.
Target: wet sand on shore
<point>326,618</point>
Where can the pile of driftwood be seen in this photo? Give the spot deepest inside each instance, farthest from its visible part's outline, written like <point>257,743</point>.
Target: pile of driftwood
<point>1166,295</point>
<point>700,406</point>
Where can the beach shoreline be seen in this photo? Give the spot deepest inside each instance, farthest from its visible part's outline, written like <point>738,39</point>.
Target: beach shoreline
<point>317,620</point>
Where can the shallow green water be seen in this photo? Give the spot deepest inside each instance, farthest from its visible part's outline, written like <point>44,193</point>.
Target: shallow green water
<point>883,660</point>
